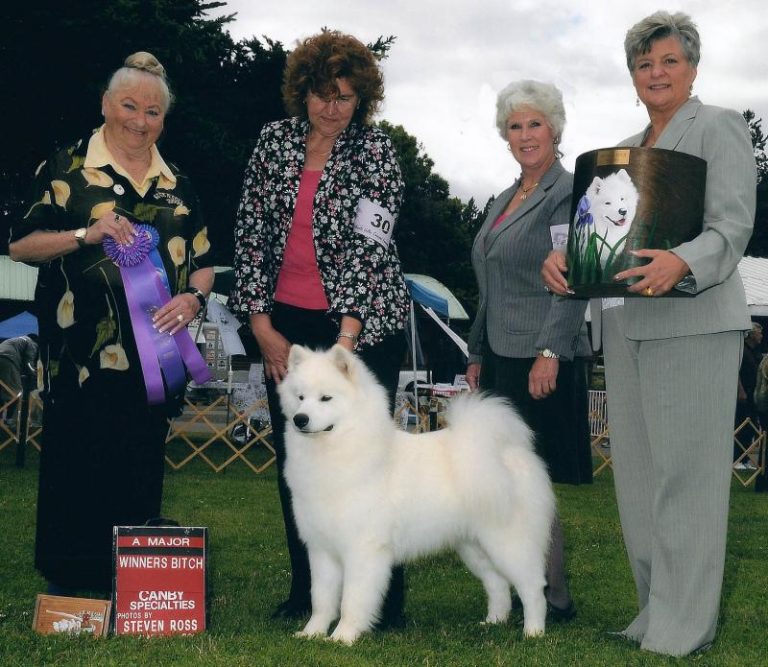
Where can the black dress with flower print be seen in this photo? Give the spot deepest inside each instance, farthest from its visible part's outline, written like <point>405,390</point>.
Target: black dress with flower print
<point>84,322</point>
<point>102,461</point>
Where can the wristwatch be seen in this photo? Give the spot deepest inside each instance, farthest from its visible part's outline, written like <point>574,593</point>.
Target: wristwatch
<point>80,235</point>
<point>198,294</point>
<point>548,354</point>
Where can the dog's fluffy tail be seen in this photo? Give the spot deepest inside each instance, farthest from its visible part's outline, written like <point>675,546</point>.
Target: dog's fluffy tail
<point>494,457</point>
<point>489,418</point>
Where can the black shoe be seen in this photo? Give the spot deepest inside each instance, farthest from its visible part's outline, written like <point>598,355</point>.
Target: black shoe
<point>291,610</point>
<point>554,614</point>
<point>621,636</point>
<point>702,649</point>
<point>560,614</point>
<point>63,591</point>
<point>392,622</point>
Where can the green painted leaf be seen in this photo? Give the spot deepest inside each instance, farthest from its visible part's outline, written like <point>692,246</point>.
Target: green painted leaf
<point>105,330</point>
<point>146,212</point>
<point>77,163</point>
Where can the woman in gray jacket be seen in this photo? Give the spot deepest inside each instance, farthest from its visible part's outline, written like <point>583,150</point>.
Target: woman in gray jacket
<point>525,343</point>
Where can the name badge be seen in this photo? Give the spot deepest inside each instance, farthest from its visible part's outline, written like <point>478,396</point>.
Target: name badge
<point>559,235</point>
<point>374,222</point>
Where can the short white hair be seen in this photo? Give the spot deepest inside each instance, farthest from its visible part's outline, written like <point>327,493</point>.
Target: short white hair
<point>545,98</point>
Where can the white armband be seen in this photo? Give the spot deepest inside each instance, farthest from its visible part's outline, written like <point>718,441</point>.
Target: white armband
<point>374,222</point>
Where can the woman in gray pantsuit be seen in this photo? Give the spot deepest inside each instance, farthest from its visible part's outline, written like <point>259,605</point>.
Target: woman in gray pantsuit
<point>525,343</point>
<point>672,364</point>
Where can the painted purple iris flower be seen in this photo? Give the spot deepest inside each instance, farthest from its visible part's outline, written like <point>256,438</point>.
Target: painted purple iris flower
<point>583,216</point>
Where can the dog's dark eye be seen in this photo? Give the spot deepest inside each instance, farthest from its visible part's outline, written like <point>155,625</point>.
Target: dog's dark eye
<point>326,398</point>
<point>301,397</point>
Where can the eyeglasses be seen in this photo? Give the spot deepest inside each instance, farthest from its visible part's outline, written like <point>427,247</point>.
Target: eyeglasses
<point>341,102</point>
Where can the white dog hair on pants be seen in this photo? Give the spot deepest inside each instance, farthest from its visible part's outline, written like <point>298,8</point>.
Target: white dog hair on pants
<point>368,496</point>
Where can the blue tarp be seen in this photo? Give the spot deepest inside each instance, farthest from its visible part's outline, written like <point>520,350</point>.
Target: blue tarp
<point>426,297</point>
<point>18,325</point>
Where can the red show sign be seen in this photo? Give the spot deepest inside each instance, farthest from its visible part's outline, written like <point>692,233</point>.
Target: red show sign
<point>160,580</point>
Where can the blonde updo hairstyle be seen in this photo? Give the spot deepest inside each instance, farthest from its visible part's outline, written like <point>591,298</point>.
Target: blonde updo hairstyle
<point>138,65</point>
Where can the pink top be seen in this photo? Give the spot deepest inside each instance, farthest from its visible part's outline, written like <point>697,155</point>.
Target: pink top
<point>498,220</point>
<point>298,283</point>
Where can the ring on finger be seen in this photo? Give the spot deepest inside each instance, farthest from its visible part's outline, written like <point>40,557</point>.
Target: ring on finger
<point>117,217</point>
<point>648,291</point>
<point>180,317</point>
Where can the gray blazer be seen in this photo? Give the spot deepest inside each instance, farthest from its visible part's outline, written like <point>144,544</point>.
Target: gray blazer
<point>722,138</point>
<point>516,314</point>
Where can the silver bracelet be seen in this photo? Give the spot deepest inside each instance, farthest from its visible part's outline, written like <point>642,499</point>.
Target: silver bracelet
<point>350,335</point>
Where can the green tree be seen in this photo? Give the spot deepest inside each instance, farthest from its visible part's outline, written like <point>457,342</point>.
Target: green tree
<point>758,244</point>
<point>54,64</point>
<point>225,91</point>
<point>435,230</point>
<point>758,144</point>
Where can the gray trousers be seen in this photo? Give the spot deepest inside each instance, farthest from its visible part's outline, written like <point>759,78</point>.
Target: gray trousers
<point>671,405</point>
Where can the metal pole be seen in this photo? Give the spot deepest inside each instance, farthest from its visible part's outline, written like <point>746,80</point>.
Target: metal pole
<point>415,375</point>
<point>23,422</point>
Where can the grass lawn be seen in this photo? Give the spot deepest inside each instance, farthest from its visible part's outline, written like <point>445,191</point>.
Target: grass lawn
<point>444,605</point>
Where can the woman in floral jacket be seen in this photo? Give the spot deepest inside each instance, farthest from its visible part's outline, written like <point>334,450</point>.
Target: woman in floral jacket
<point>315,260</point>
<point>103,456</point>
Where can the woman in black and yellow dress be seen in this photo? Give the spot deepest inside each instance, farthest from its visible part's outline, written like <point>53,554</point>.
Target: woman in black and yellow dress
<point>102,457</point>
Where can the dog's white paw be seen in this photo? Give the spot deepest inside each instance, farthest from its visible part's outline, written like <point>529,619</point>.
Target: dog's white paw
<point>314,628</point>
<point>533,630</point>
<point>345,634</point>
<point>495,619</point>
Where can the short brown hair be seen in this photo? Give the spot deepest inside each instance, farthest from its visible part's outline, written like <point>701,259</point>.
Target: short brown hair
<point>659,25</point>
<point>316,63</point>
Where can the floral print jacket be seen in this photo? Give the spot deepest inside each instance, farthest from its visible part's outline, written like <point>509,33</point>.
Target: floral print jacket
<point>83,317</point>
<point>361,275</point>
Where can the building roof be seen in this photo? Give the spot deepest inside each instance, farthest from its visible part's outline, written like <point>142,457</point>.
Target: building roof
<point>754,275</point>
<point>17,281</point>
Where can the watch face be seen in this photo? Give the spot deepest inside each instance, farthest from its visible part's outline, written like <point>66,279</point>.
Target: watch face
<point>80,233</point>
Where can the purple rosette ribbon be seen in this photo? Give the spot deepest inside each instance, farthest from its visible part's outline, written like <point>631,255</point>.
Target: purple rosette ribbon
<point>164,359</point>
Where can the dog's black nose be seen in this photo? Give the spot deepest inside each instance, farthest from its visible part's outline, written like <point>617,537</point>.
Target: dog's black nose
<point>622,211</point>
<point>301,420</point>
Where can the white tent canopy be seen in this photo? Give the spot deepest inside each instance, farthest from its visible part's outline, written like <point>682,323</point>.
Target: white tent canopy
<point>426,289</point>
<point>754,275</point>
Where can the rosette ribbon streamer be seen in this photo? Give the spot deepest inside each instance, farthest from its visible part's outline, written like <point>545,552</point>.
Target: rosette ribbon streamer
<point>165,359</point>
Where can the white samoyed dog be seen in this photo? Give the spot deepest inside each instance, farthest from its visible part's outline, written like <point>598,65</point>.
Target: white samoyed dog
<point>368,496</point>
<point>612,204</point>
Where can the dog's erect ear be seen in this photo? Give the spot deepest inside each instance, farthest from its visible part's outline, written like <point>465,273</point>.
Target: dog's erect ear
<point>594,186</point>
<point>296,355</point>
<point>624,176</point>
<point>343,359</point>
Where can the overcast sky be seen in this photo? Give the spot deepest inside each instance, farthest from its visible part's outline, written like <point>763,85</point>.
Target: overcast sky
<point>451,58</point>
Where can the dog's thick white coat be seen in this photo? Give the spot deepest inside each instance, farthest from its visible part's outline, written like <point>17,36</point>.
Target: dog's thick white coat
<point>368,496</point>
<point>613,203</point>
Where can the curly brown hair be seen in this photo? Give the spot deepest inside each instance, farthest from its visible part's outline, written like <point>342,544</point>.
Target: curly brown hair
<point>316,63</point>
